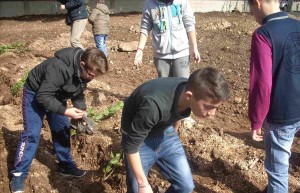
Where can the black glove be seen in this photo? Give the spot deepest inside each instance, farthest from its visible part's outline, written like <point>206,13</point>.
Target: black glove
<point>82,126</point>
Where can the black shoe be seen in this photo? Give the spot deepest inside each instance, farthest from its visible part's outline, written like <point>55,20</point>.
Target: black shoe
<point>72,172</point>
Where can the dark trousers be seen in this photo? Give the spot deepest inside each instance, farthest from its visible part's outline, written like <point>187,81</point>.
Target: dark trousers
<point>33,116</point>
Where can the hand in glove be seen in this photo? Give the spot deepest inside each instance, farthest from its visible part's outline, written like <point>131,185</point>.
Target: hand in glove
<point>83,125</point>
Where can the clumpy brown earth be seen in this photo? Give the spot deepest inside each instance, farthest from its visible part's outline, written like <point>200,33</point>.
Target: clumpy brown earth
<point>221,154</point>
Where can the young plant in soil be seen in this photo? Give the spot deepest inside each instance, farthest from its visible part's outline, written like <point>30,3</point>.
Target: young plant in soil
<point>18,85</point>
<point>115,162</point>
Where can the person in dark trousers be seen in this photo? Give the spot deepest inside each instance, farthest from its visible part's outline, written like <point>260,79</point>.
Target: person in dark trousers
<point>148,119</point>
<point>77,18</point>
<point>48,87</point>
<point>274,94</point>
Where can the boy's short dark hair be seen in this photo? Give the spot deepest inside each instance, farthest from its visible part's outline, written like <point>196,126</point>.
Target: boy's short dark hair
<point>208,83</point>
<point>95,60</point>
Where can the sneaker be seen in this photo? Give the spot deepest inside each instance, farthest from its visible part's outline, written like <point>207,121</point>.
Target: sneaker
<point>17,183</point>
<point>72,172</point>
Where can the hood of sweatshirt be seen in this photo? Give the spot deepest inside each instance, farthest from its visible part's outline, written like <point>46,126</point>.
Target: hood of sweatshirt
<point>103,8</point>
<point>71,57</point>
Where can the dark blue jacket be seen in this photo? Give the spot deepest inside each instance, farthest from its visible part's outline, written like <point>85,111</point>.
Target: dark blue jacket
<point>283,34</point>
<point>76,10</point>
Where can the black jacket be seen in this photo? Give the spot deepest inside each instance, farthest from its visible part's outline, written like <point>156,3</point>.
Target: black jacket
<point>57,79</point>
<point>76,10</point>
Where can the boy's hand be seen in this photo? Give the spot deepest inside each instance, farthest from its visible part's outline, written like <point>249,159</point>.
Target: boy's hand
<point>62,7</point>
<point>256,135</point>
<point>138,57</point>
<point>74,113</point>
<point>146,189</point>
<point>196,55</point>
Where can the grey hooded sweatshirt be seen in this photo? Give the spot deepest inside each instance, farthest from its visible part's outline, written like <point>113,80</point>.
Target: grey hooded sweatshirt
<point>100,19</point>
<point>170,24</point>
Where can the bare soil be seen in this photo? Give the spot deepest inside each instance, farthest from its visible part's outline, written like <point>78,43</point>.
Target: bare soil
<point>222,156</point>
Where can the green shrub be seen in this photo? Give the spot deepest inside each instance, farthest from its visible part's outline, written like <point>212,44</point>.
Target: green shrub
<point>110,111</point>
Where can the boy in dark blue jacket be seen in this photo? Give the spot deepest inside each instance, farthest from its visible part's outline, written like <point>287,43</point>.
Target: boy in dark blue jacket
<point>274,94</point>
<point>48,87</point>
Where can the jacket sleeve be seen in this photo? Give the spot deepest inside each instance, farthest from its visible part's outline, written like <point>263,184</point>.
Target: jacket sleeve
<point>188,17</point>
<point>145,119</point>
<point>260,80</point>
<point>79,101</point>
<point>46,95</point>
<point>93,15</point>
<point>146,21</point>
<point>62,1</point>
<point>74,3</point>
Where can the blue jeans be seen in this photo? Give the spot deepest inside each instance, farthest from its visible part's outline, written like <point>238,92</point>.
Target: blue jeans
<point>167,152</point>
<point>100,41</point>
<point>278,140</point>
<point>33,116</point>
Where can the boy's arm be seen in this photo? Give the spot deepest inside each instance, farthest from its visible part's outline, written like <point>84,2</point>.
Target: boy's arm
<point>46,95</point>
<point>138,59</point>
<point>260,82</point>
<point>146,21</point>
<point>188,17</point>
<point>193,43</point>
<point>79,101</point>
<point>147,116</point>
<point>137,169</point>
<point>146,27</point>
<point>144,120</point>
<point>93,16</point>
<point>189,22</point>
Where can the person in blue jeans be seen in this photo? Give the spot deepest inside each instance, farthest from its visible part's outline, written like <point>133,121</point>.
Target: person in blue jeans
<point>100,21</point>
<point>274,94</point>
<point>48,87</point>
<point>149,134</point>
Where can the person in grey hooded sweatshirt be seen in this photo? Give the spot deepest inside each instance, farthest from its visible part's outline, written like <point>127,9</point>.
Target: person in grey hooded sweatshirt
<point>172,23</point>
<point>99,18</point>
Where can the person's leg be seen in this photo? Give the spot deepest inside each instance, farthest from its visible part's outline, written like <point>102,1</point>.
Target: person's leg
<point>148,158</point>
<point>278,140</point>
<point>173,163</point>
<point>162,67</point>
<point>77,28</point>
<point>60,131</point>
<point>100,41</point>
<point>28,143</point>
<point>181,67</point>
